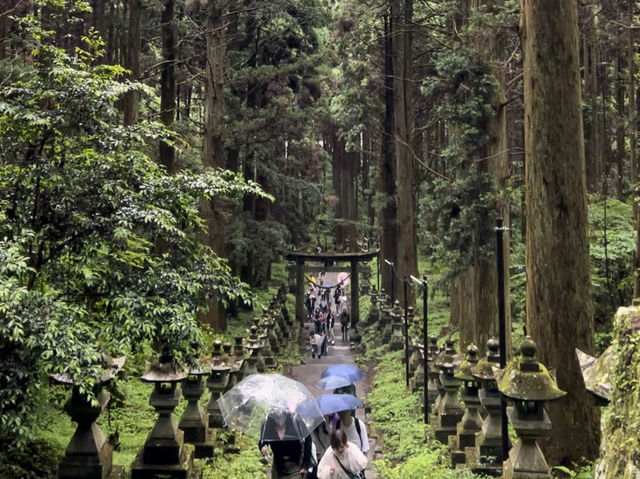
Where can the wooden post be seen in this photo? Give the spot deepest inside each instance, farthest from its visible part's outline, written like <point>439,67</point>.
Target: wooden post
<point>301,314</point>
<point>355,294</point>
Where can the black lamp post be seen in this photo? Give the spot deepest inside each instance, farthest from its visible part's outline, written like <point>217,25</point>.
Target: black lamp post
<point>393,283</point>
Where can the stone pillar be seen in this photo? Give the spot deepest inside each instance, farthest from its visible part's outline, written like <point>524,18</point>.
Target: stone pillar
<point>301,314</point>
<point>355,295</point>
<point>217,384</point>
<point>163,454</point>
<point>432,373</point>
<point>451,410</point>
<point>88,454</point>
<point>471,422</point>
<point>194,421</point>
<point>488,455</point>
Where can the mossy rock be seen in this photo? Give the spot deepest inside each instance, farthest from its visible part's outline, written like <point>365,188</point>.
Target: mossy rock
<point>620,448</point>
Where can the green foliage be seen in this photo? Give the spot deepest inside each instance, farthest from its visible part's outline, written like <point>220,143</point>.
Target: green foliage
<point>611,246</point>
<point>100,249</point>
<point>457,212</point>
<point>408,450</point>
<point>577,472</point>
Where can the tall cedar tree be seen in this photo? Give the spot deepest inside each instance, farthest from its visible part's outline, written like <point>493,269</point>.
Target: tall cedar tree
<point>558,276</point>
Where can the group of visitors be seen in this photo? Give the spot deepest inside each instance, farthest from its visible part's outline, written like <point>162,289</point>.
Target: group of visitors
<point>336,449</point>
<point>322,313</point>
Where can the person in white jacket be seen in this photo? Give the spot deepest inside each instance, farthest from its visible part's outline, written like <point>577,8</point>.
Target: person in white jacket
<point>342,459</point>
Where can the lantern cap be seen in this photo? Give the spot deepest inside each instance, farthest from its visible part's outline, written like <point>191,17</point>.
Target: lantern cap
<point>448,358</point>
<point>470,359</point>
<point>111,367</point>
<point>164,370</point>
<point>484,368</point>
<point>524,378</point>
<point>219,365</point>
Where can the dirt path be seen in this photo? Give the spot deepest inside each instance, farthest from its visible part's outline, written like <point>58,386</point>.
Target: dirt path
<point>340,352</point>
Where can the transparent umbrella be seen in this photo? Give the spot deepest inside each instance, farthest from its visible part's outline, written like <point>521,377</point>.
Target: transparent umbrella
<point>261,401</point>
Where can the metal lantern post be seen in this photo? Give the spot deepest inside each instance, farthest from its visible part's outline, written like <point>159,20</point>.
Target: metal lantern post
<point>502,329</point>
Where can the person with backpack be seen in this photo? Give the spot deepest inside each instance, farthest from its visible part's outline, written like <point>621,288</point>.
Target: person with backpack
<point>342,459</point>
<point>354,429</point>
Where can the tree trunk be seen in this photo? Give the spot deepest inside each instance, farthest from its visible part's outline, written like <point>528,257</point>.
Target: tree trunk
<point>633,155</point>
<point>592,121</point>
<point>167,153</point>
<point>387,178</point>
<point>558,307</point>
<point>131,99</point>
<point>496,164</point>
<point>403,134</point>
<point>621,121</point>
<point>213,146</point>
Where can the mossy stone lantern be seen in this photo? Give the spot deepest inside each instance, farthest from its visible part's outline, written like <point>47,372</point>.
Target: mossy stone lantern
<point>89,455</point>
<point>451,410</point>
<point>229,358</point>
<point>489,439</point>
<point>163,453</point>
<point>471,422</point>
<point>529,385</point>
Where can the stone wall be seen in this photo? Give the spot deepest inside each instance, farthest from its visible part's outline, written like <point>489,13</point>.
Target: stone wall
<point>620,447</point>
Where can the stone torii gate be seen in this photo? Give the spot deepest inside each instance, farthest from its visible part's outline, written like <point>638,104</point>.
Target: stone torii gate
<point>327,259</point>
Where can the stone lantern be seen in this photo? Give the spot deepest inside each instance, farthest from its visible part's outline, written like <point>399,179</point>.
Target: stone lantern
<point>217,384</point>
<point>418,375</point>
<point>194,421</point>
<point>529,385</point>
<point>374,312</point>
<point>163,453</point>
<point>230,359</point>
<point>216,351</point>
<point>255,346</point>
<point>89,455</point>
<point>489,439</point>
<point>471,422</point>
<point>415,358</point>
<point>451,410</point>
<point>397,334</point>
<point>252,361</point>
<point>241,357</point>
<point>433,374</point>
<point>266,352</point>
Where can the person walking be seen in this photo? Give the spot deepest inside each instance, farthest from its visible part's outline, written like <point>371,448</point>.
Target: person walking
<point>291,455</point>
<point>342,459</point>
<point>344,322</point>
<point>354,429</point>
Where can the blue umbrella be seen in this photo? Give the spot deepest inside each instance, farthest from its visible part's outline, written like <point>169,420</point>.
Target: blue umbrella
<point>330,403</point>
<point>349,371</point>
<point>332,382</point>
